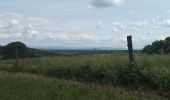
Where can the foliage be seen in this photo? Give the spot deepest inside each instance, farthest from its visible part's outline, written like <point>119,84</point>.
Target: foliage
<point>11,49</point>
<point>149,71</point>
<point>1,50</point>
<point>130,75</point>
<point>158,47</point>
<point>83,73</point>
<point>34,87</point>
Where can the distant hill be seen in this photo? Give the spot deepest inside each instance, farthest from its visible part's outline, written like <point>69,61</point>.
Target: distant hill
<point>9,51</point>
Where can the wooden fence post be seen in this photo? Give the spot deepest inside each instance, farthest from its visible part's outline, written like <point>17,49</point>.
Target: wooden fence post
<point>130,49</point>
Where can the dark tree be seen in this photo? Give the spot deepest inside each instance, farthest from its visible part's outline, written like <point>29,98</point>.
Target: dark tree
<point>167,49</point>
<point>148,49</point>
<point>158,47</point>
<point>1,50</point>
<point>9,51</point>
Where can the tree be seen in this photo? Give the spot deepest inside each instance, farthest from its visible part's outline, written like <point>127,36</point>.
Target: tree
<point>167,49</point>
<point>158,47</point>
<point>168,39</point>
<point>9,50</point>
<point>1,50</point>
<point>148,49</point>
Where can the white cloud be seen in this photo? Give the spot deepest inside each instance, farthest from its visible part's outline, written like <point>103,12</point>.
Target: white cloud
<point>4,36</point>
<point>50,36</point>
<point>14,22</point>
<point>29,32</point>
<point>39,20</point>
<point>132,11</point>
<point>3,26</point>
<point>118,26</point>
<point>11,14</point>
<point>156,22</point>
<point>18,35</point>
<point>150,32</point>
<point>33,29</point>
<point>135,29</point>
<point>41,29</point>
<point>166,22</point>
<point>167,12</point>
<point>99,25</point>
<point>8,24</point>
<point>105,3</point>
<point>141,23</point>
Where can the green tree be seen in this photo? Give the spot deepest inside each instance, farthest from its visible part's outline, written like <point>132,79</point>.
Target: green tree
<point>158,47</point>
<point>167,49</point>
<point>148,49</point>
<point>9,50</point>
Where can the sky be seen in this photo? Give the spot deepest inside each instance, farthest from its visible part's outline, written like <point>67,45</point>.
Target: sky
<point>61,24</point>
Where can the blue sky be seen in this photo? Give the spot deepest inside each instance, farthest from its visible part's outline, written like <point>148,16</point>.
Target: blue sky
<point>84,23</point>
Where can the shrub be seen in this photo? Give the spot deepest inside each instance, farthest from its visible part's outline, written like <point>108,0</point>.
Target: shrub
<point>14,68</point>
<point>59,72</point>
<point>83,73</point>
<point>135,75</point>
<point>129,75</point>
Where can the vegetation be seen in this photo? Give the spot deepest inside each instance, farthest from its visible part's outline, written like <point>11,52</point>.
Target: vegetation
<point>9,51</point>
<point>111,68</point>
<point>148,73</point>
<point>158,47</point>
<point>34,87</point>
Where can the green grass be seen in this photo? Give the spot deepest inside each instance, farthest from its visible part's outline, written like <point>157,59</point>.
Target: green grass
<point>150,71</point>
<point>33,87</point>
<point>158,61</point>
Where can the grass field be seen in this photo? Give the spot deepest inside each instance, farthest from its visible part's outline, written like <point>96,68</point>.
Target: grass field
<point>34,87</point>
<point>150,73</point>
<point>156,61</point>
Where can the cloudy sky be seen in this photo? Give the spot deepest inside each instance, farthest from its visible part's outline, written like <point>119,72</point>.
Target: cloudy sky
<point>84,23</point>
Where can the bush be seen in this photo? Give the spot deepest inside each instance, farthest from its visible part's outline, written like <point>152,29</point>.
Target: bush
<point>83,73</point>
<point>59,73</point>
<point>135,75</point>
<point>14,68</point>
<point>128,75</point>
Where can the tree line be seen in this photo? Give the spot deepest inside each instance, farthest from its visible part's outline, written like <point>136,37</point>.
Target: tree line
<point>158,47</point>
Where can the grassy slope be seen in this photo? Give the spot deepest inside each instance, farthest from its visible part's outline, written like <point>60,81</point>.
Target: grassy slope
<point>157,62</point>
<point>34,87</point>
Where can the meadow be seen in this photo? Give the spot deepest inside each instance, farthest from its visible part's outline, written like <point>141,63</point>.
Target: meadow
<point>20,86</point>
<point>104,72</point>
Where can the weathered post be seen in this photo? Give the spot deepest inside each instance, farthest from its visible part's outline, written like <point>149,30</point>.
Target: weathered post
<point>130,49</point>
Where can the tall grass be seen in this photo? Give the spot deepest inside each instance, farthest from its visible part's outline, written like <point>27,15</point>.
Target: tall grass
<point>149,71</point>
<point>33,87</point>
